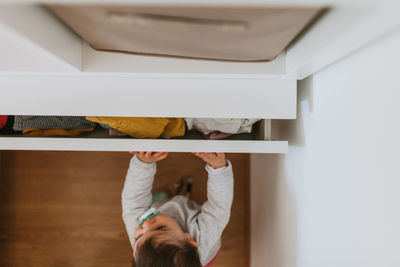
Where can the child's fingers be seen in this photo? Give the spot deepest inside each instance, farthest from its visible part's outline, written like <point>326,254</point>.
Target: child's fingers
<point>200,155</point>
<point>209,155</point>
<point>220,155</point>
<point>163,155</point>
<point>204,156</point>
<point>156,154</point>
<point>159,154</point>
<point>212,156</point>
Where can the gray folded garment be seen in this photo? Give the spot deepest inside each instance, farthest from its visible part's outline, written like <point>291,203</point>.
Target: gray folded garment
<point>51,122</point>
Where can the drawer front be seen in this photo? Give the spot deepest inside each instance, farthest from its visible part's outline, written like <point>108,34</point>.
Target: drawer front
<point>149,97</point>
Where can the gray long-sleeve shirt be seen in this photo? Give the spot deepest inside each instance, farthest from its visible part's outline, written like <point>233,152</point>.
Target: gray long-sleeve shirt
<point>204,223</point>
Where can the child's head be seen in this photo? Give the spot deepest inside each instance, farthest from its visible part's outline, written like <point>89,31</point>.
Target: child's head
<point>159,241</point>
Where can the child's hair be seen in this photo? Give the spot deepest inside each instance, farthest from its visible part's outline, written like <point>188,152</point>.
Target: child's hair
<point>166,255</point>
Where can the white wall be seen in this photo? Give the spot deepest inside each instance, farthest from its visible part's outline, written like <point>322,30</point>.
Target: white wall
<point>334,200</point>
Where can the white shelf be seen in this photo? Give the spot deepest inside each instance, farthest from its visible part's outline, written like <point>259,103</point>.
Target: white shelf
<point>193,141</point>
<point>99,144</point>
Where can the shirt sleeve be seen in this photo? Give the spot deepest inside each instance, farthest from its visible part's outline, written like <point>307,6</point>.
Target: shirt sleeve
<point>215,212</point>
<point>136,194</point>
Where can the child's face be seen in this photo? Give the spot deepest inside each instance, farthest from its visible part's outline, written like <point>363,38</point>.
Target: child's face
<point>161,228</point>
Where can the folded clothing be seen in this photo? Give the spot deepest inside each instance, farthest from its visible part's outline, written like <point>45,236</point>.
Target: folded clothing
<point>3,120</point>
<point>141,127</point>
<point>113,132</point>
<point>216,135</point>
<point>228,126</point>
<point>54,132</point>
<point>51,122</point>
<point>7,127</point>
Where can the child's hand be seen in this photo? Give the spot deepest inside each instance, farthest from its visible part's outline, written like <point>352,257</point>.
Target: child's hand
<point>149,157</point>
<point>215,160</point>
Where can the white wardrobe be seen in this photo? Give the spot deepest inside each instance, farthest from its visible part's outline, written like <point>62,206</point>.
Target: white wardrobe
<point>328,101</point>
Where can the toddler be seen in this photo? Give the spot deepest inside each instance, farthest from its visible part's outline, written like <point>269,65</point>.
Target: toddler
<point>177,232</point>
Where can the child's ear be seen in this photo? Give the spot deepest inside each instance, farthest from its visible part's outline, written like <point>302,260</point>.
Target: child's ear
<point>190,240</point>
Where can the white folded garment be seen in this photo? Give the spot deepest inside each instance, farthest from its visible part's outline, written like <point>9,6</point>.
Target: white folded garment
<point>231,126</point>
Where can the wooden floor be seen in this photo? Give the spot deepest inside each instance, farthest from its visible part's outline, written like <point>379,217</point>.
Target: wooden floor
<point>63,209</point>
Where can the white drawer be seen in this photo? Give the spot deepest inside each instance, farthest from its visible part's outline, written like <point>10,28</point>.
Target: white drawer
<point>147,97</point>
<point>259,141</point>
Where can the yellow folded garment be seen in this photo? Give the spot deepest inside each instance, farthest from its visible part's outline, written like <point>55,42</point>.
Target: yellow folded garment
<point>52,132</point>
<point>141,127</point>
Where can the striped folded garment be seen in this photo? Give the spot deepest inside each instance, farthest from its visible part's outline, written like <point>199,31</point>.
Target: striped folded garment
<point>52,125</point>
<point>51,122</point>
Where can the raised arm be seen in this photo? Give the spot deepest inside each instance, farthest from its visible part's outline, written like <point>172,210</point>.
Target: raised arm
<point>136,194</point>
<point>215,212</point>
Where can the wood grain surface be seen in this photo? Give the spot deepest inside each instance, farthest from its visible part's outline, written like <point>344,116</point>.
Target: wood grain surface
<point>63,209</point>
